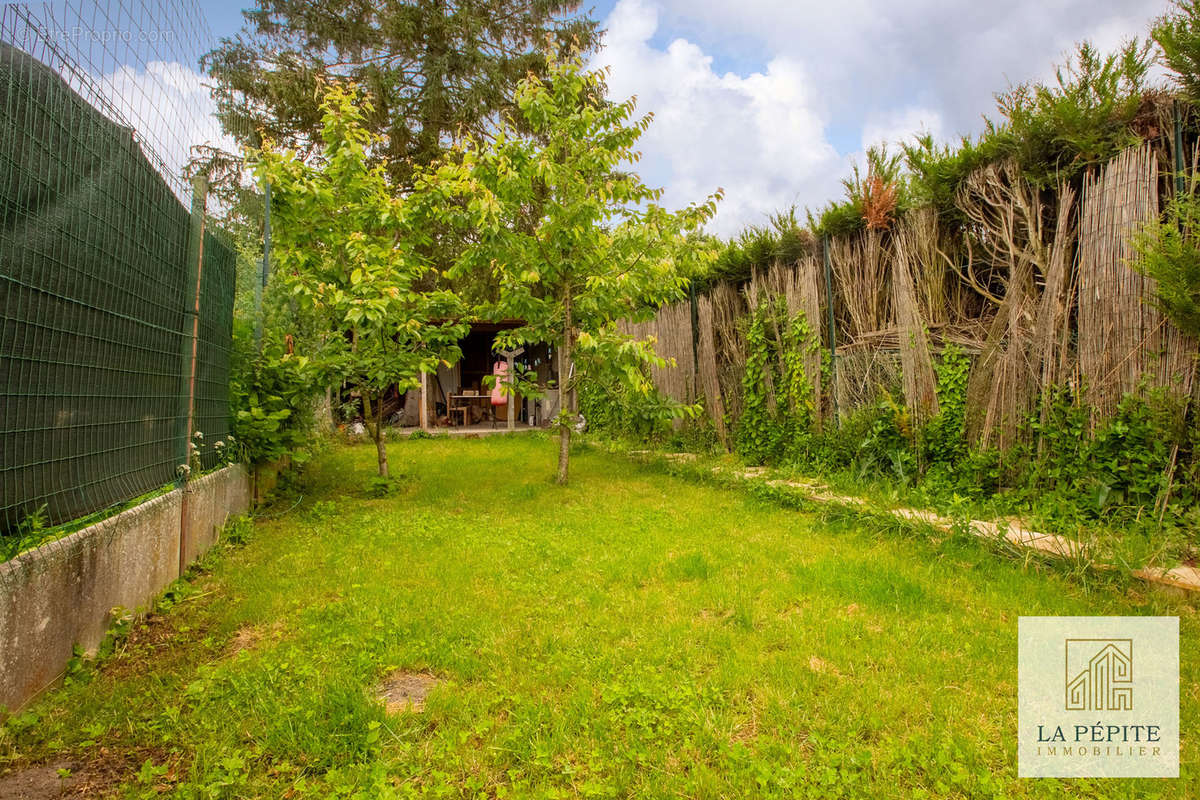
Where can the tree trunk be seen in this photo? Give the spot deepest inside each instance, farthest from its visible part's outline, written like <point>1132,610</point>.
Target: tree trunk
<point>564,428</point>
<point>565,411</point>
<point>431,102</point>
<point>376,430</point>
<point>381,451</point>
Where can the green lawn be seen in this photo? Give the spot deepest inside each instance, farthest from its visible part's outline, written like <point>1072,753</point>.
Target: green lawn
<point>632,635</point>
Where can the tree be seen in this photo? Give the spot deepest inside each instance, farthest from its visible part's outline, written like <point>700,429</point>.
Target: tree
<point>433,69</point>
<point>573,242</point>
<point>1178,36</point>
<point>1168,252</point>
<point>349,247</point>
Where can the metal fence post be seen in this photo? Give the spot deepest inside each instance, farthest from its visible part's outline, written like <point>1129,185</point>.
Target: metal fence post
<point>832,334</point>
<point>188,349</point>
<point>1178,120</point>
<point>695,341</point>
<point>260,285</point>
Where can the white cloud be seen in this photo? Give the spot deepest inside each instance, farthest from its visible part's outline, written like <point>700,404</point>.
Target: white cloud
<point>171,110</point>
<point>761,137</point>
<point>900,126</point>
<point>879,56</point>
<point>822,81</point>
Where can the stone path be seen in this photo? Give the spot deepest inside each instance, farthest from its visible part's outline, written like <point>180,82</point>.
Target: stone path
<point>1183,578</point>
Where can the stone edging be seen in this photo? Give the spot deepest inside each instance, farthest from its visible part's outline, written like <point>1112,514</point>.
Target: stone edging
<point>1183,578</point>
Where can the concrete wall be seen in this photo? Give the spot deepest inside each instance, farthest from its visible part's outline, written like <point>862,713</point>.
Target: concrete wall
<point>208,502</point>
<point>62,594</point>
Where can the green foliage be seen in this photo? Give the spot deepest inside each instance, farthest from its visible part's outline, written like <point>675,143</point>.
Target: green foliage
<point>353,252</point>
<point>757,434</point>
<point>237,530</point>
<point>379,486</point>
<point>799,341</point>
<point>571,240</point>
<point>944,437</point>
<point>432,70</point>
<point>1178,36</point>
<point>1074,471</point>
<point>839,218</point>
<point>1052,131</point>
<point>1055,131</point>
<point>32,531</point>
<point>1168,252</point>
<point>936,171</point>
<point>615,409</point>
<point>1120,469</point>
<point>1062,440</point>
<point>1096,106</point>
<point>271,393</point>
<point>82,666</point>
<point>785,240</point>
<point>874,441</point>
<point>777,402</point>
<point>1065,468</point>
<point>874,194</point>
<point>697,436</point>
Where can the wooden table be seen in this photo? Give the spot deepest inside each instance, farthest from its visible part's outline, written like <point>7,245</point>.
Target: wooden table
<point>469,398</point>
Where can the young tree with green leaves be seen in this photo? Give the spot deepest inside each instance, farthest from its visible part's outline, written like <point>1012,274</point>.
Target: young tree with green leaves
<point>572,240</point>
<point>1169,252</point>
<point>1177,34</point>
<point>350,248</point>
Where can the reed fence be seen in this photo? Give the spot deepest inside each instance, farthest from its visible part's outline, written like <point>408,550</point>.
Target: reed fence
<point>1039,293</point>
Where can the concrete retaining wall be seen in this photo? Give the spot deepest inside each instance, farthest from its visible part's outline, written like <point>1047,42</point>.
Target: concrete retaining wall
<point>208,502</point>
<point>62,594</point>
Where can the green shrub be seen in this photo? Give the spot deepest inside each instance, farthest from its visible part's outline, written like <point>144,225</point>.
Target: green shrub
<point>1168,252</point>
<point>620,411</point>
<point>1178,36</point>
<point>778,427</point>
<point>944,438</point>
<point>271,395</point>
<point>1056,131</point>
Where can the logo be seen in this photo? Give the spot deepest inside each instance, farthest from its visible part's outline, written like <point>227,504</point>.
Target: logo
<point>1098,697</point>
<point>1099,674</point>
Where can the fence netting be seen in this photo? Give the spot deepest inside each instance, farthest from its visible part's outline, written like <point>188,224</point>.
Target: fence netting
<point>95,338</point>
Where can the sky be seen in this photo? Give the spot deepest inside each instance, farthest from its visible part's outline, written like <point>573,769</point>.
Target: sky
<point>775,100</point>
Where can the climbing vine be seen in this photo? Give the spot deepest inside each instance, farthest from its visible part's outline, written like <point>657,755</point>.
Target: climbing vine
<point>778,408</point>
<point>757,434</point>
<point>945,436</point>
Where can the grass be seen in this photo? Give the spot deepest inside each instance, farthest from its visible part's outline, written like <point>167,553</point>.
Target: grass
<point>631,635</point>
<point>1127,538</point>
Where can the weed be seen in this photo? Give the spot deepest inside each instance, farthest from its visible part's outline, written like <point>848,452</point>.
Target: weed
<point>237,530</point>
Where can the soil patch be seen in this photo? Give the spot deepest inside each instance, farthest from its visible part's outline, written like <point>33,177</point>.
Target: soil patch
<point>405,691</point>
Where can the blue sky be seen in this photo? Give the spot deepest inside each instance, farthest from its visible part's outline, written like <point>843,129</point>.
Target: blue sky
<point>775,100</point>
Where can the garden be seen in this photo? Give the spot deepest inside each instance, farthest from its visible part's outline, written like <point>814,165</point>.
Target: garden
<point>754,516</point>
<point>635,634</point>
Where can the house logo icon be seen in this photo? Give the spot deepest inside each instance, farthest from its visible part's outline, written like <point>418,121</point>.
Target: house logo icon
<point>1099,675</point>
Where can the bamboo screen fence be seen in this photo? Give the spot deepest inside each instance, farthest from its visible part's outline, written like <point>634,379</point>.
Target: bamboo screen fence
<point>1044,297</point>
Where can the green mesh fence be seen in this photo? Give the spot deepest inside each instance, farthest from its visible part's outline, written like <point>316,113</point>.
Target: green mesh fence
<point>215,335</point>
<point>94,283</point>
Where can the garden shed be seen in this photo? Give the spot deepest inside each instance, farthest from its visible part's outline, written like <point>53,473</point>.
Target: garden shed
<point>459,397</point>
